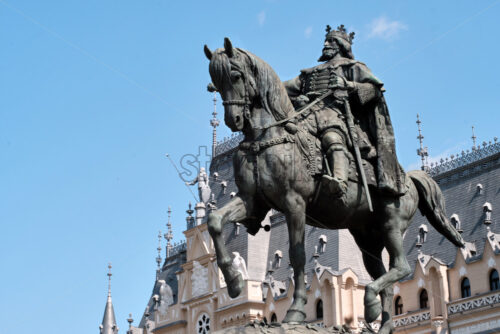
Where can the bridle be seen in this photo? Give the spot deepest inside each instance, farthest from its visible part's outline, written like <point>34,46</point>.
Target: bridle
<point>245,102</point>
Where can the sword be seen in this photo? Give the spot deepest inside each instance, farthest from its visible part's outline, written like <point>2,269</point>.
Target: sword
<point>354,139</point>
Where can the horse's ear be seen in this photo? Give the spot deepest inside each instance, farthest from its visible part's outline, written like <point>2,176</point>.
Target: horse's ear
<point>211,87</point>
<point>228,46</point>
<point>208,53</point>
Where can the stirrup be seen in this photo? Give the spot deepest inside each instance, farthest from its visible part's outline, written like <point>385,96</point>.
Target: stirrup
<point>335,185</point>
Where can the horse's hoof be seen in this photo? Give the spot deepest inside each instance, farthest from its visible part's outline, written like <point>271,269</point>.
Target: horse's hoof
<point>372,310</point>
<point>294,316</point>
<point>235,286</point>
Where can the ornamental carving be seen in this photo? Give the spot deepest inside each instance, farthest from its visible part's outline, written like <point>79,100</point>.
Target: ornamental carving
<point>412,319</point>
<point>474,303</point>
<point>166,297</point>
<point>199,279</point>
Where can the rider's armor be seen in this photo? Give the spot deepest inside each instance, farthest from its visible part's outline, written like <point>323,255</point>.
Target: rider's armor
<point>315,80</point>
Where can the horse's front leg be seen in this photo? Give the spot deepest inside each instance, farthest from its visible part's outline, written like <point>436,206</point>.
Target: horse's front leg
<point>235,211</point>
<point>296,220</point>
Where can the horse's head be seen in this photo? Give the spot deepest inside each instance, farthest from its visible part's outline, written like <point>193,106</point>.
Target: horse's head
<point>243,81</point>
<point>232,77</point>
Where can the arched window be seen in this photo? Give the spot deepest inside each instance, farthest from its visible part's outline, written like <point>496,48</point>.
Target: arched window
<point>274,318</point>
<point>465,287</point>
<point>424,299</point>
<point>319,309</point>
<point>398,306</point>
<point>494,280</point>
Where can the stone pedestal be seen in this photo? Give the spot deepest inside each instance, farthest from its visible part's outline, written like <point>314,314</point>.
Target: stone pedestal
<point>261,328</point>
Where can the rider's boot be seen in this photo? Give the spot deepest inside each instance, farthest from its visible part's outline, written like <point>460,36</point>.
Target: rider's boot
<point>339,166</point>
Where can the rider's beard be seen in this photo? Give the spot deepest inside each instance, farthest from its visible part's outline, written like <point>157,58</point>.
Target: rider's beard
<point>328,53</point>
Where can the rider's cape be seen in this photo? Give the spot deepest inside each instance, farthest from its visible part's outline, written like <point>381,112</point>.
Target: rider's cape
<point>374,118</point>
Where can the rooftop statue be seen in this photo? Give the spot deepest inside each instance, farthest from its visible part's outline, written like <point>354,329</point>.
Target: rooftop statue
<point>203,187</point>
<point>320,148</point>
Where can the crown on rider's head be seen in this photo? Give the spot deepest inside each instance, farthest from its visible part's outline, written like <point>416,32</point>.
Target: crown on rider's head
<point>339,33</point>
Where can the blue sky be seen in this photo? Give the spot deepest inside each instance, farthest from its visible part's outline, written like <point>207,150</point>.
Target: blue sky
<point>93,94</point>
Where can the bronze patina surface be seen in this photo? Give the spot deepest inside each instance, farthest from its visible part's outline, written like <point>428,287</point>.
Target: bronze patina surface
<point>318,148</point>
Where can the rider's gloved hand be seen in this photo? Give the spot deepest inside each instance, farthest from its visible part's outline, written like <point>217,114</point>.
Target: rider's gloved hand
<point>301,101</point>
<point>341,83</point>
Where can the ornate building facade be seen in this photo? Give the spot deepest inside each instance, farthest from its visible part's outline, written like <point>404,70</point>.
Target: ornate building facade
<point>450,291</point>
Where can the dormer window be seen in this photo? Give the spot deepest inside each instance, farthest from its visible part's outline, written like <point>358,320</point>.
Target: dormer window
<point>278,255</point>
<point>455,221</point>
<point>322,243</point>
<point>223,184</point>
<point>237,229</point>
<point>479,188</point>
<point>422,235</point>
<point>487,209</point>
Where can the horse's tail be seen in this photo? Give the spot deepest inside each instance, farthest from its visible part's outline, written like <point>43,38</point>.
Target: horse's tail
<point>431,205</point>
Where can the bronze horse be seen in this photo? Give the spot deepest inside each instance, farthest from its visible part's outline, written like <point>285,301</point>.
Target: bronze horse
<point>270,172</point>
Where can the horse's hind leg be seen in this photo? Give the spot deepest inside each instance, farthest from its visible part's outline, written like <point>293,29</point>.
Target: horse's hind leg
<point>398,265</point>
<point>237,210</point>
<point>296,220</point>
<point>372,258</point>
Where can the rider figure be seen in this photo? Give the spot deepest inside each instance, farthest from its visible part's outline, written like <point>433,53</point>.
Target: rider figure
<point>326,118</point>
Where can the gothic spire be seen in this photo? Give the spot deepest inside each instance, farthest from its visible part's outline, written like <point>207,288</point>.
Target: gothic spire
<point>108,325</point>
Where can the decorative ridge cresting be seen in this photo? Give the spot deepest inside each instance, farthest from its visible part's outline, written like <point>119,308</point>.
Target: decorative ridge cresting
<point>464,158</point>
<point>177,248</point>
<point>228,143</point>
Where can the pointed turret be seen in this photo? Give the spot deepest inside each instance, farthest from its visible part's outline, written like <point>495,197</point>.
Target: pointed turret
<point>108,325</point>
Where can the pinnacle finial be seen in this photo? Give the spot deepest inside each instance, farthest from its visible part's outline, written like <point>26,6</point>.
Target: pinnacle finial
<point>214,122</point>
<point>169,235</point>
<point>109,278</point>
<point>130,320</point>
<point>190,218</point>
<point>158,258</point>
<point>422,151</point>
<point>473,139</point>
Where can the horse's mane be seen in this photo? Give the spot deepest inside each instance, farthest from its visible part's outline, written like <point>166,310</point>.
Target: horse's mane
<point>259,75</point>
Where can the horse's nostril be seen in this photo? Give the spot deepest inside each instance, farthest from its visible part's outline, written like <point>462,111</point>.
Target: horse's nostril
<point>237,119</point>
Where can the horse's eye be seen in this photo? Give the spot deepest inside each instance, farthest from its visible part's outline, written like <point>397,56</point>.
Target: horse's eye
<point>235,75</point>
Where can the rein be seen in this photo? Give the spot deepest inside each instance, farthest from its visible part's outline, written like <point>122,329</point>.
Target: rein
<point>297,113</point>
<point>260,145</point>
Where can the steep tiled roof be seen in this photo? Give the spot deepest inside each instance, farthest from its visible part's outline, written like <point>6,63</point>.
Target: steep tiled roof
<point>463,198</point>
<point>168,272</point>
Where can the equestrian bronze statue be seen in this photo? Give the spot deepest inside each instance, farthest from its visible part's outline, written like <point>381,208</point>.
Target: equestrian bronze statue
<point>320,149</point>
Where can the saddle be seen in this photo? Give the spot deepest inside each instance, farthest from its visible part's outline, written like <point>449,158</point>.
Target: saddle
<point>313,156</point>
